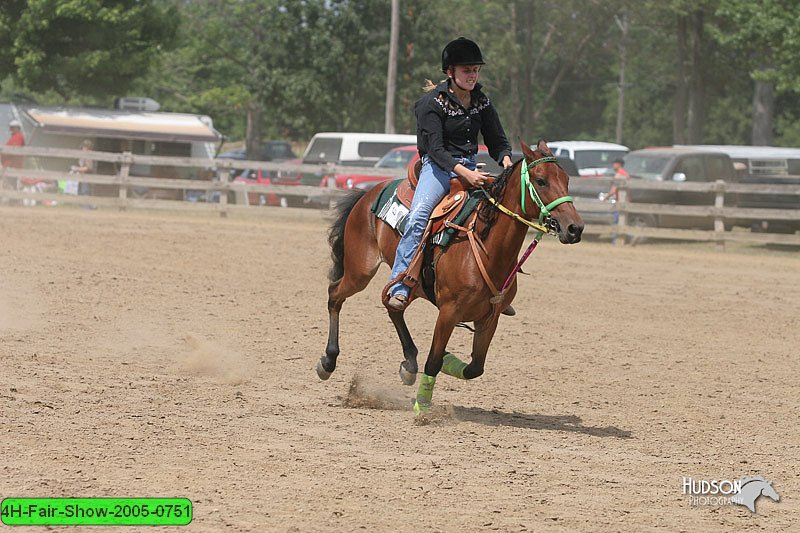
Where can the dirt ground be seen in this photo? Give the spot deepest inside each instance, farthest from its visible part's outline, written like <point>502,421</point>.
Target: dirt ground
<point>172,354</point>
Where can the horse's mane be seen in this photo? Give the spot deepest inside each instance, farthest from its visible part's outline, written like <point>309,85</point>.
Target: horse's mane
<point>487,212</point>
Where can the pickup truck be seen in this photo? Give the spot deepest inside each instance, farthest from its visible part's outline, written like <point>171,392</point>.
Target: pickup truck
<point>677,165</point>
<point>697,165</point>
<point>662,164</point>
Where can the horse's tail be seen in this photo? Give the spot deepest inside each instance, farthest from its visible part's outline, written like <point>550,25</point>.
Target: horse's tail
<point>336,233</point>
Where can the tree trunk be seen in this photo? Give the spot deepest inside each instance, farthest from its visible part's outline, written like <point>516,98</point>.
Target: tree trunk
<point>253,132</point>
<point>515,118</point>
<point>679,111</point>
<point>527,69</point>
<point>763,113</point>
<point>697,85</point>
<point>623,26</point>
<point>391,75</point>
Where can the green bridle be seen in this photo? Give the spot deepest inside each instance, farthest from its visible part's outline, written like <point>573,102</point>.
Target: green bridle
<point>525,179</point>
<point>544,210</point>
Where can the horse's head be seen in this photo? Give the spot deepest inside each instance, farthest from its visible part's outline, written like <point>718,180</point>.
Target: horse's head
<point>546,188</point>
<point>769,491</point>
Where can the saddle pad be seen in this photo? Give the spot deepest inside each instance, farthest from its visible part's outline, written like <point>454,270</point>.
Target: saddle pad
<point>388,208</point>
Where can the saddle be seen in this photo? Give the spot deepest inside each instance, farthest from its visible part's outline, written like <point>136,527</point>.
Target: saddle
<point>449,205</point>
<point>443,214</point>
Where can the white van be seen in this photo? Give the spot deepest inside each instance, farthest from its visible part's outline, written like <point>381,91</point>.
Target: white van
<point>353,149</point>
<point>592,158</point>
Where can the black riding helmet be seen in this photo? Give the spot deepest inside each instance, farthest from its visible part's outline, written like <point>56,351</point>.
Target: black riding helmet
<point>462,51</point>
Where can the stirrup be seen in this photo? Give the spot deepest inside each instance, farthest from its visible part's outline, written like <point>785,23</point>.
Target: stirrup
<point>398,302</point>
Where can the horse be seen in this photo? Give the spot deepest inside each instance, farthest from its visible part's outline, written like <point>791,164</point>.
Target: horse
<point>467,272</point>
<point>752,488</point>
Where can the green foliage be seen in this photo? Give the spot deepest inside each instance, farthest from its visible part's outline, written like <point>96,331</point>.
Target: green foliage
<point>86,48</point>
<point>768,36</point>
<point>296,68</point>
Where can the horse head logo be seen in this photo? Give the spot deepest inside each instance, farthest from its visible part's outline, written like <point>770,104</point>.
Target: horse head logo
<point>752,488</point>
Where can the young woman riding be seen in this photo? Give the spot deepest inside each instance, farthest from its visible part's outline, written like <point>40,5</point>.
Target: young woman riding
<point>449,118</point>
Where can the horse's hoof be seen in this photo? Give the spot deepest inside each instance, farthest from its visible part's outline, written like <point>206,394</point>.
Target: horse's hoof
<point>321,372</point>
<point>421,408</point>
<point>407,377</point>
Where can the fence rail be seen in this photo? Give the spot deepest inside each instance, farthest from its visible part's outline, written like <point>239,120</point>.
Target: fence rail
<point>717,214</point>
<point>722,217</point>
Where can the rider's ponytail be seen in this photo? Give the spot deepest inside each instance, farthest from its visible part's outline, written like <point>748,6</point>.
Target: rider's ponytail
<point>429,86</point>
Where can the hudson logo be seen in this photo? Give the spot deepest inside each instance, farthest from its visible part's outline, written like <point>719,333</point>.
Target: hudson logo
<point>744,491</point>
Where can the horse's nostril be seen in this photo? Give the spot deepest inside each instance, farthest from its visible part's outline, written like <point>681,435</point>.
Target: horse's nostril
<point>575,229</point>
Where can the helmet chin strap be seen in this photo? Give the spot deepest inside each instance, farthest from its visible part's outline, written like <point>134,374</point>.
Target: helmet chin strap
<point>453,78</point>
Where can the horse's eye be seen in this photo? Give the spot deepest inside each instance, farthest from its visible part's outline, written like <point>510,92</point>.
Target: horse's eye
<point>541,182</point>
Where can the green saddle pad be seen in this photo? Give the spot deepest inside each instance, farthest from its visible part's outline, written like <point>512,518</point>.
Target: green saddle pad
<point>389,209</point>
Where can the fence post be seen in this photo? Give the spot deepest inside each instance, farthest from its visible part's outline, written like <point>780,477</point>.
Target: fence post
<point>124,173</point>
<point>719,224</point>
<point>330,171</point>
<point>622,202</point>
<point>224,168</point>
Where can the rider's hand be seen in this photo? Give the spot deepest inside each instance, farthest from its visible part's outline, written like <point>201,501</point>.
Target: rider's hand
<point>507,162</point>
<point>475,178</point>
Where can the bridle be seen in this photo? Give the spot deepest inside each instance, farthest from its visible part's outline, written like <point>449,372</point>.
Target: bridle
<point>546,223</point>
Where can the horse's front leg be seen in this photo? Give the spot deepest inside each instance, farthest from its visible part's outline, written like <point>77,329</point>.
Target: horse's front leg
<point>445,324</point>
<point>408,368</point>
<point>484,332</point>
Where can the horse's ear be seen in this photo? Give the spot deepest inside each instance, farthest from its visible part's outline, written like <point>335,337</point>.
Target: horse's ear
<point>542,147</point>
<point>526,150</point>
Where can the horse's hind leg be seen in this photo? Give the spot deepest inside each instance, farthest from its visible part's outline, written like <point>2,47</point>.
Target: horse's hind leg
<point>359,267</point>
<point>338,292</point>
<point>408,368</point>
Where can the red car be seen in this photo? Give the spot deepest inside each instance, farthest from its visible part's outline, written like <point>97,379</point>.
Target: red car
<point>397,158</point>
<point>266,177</point>
<point>400,158</point>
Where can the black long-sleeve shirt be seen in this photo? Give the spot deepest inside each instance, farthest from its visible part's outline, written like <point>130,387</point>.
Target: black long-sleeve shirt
<point>445,130</point>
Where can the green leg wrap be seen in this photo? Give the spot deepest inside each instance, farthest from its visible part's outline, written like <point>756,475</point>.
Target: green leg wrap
<point>453,366</point>
<point>424,394</point>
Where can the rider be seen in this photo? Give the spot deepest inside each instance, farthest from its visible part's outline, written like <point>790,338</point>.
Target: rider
<point>449,117</point>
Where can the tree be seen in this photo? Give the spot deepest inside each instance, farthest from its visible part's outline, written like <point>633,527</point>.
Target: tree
<point>84,48</point>
<point>290,68</point>
<point>768,37</point>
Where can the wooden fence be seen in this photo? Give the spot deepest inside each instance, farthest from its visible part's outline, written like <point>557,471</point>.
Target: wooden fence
<point>718,215</point>
<point>203,169</point>
<point>317,196</point>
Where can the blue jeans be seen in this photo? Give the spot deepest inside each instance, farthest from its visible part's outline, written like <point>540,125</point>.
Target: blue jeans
<point>434,184</point>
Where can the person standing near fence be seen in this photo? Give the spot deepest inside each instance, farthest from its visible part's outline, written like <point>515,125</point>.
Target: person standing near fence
<point>84,166</point>
<point>16,138</point>
<point>613,194</point>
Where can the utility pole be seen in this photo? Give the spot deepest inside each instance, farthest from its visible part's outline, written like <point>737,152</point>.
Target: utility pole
<point>623,26</point>
<point>391,75</point>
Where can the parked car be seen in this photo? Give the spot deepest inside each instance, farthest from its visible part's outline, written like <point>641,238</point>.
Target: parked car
<point>263,177</point>
<point>679,165</point>
<point>270,151</point>
<point>397,158</point>
<point>591,157</point>
<point>402,156</point>
<point>350,149</point>
<point>764,165</point>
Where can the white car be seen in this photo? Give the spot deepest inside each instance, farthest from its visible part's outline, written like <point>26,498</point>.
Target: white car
<point>353,149</point>
<point>592,158</point>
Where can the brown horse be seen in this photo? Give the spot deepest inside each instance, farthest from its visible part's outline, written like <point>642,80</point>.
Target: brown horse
<point>360,242</point>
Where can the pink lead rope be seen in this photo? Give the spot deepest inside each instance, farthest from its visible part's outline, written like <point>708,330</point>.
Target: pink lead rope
<point>518,267</point>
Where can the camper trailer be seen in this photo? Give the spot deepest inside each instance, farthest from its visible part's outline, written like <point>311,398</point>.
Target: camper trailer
<point>141,133</point>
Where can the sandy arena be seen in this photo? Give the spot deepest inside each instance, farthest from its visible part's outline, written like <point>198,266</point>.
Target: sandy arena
<point>167,354</point>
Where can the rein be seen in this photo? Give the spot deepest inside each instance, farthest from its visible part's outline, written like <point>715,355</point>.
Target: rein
<point>545,224</point>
